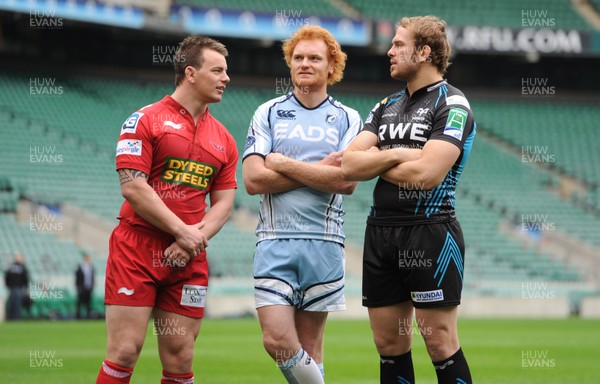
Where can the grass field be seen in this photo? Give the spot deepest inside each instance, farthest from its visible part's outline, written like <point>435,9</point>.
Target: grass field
<point>230,351</point>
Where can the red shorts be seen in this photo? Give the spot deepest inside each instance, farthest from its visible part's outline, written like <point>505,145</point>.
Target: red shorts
<point>138,275</point>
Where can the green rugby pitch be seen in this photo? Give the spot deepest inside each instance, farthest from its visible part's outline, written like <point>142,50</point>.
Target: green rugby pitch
<point>230,351</point>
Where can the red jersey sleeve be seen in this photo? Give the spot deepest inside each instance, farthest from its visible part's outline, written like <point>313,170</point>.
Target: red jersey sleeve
<point>134,148</point>
<point>226,178</point>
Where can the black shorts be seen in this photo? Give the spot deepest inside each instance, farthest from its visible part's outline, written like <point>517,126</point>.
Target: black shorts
<point>423,263</point>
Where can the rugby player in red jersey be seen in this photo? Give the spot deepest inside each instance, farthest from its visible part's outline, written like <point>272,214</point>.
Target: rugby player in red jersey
<point>170,156</point>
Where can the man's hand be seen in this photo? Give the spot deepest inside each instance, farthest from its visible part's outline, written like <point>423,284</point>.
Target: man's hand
<point>334,159</point>
<point>176,256</point>
<point>274,160</point>
<point>191,239</point>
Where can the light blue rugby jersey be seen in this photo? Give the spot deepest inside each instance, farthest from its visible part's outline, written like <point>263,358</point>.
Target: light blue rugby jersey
<point>285,126</point>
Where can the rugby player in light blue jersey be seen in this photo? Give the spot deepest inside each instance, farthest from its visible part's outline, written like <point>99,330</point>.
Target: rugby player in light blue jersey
<point>292,159</point>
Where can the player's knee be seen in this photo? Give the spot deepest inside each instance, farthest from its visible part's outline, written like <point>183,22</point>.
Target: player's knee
<point>391,344</point>
<point>181,360</point>
<point>440,347</point>
<point>125,354</point>
<point>311,347</point>
<point>277,345</point>
<point>271,342</point>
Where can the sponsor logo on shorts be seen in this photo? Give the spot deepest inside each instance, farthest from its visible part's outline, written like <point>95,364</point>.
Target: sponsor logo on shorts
<point>130,125</point>
<point>129,147</point>
<point>427,296</point>
<point>126,291</point>
<point>193,295</point>
<point>187,172</point>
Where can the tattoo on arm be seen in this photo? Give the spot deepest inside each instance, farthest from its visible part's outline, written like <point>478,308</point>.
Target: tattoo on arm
<point>127,175</point>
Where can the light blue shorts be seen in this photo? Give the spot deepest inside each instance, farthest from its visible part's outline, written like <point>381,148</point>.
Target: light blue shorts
<point>306,274</point>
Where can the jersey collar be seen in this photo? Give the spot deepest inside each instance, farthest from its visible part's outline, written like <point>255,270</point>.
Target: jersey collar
<point>428,88</point>
<point>171,102</point>
<point>310,109</point>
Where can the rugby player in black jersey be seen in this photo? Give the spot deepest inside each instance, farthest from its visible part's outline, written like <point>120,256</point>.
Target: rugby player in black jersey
<point>417,142</point>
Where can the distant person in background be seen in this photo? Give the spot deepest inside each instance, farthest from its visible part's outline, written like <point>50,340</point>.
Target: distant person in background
<point>16,279</point>
<point>84,282</point>
<point>417,141</point>
<point>292,158</point>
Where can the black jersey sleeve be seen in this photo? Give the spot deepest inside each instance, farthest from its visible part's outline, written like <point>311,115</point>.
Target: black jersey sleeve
<point>453,121</point>
<point>372,120</point>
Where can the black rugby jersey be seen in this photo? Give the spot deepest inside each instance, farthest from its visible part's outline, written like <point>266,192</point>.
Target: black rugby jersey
<point>438,111</point>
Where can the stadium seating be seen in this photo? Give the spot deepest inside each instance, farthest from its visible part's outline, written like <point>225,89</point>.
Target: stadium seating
<point>541,142</point>
<point>559,14</point>
<point>496,255</point>
<point>8,201</point>
<point>287,7</point>
<point>51,263</point>
<point>545,132</point>
<point>230,254</point>
<point>49,169</point>
<point>503,181</point>
<point>495,190</point>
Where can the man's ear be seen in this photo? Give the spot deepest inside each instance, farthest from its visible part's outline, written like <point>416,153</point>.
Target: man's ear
<point>425,54</point>
<point>189,73</point>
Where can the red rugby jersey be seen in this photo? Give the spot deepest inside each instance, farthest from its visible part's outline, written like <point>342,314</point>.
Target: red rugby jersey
<point>184,161</point>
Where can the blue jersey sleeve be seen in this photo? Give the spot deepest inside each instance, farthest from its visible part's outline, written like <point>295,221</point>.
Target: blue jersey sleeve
<point>355,125</point>
<point>259,140</point>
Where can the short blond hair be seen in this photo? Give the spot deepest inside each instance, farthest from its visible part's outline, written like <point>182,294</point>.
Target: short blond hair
<point>313,32</point>
<point>431,31</point>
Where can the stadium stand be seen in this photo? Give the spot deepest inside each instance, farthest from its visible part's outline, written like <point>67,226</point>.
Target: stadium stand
<point>488,180</point>
<point>51,263</point>
<point>558,141</point>
<point>9,197</point>
<point>497,256</point>
<point>41,172</point>
<point>321,8</point>
<point>231,253</point>
<point>488,12</point>
<point>78,129</point>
